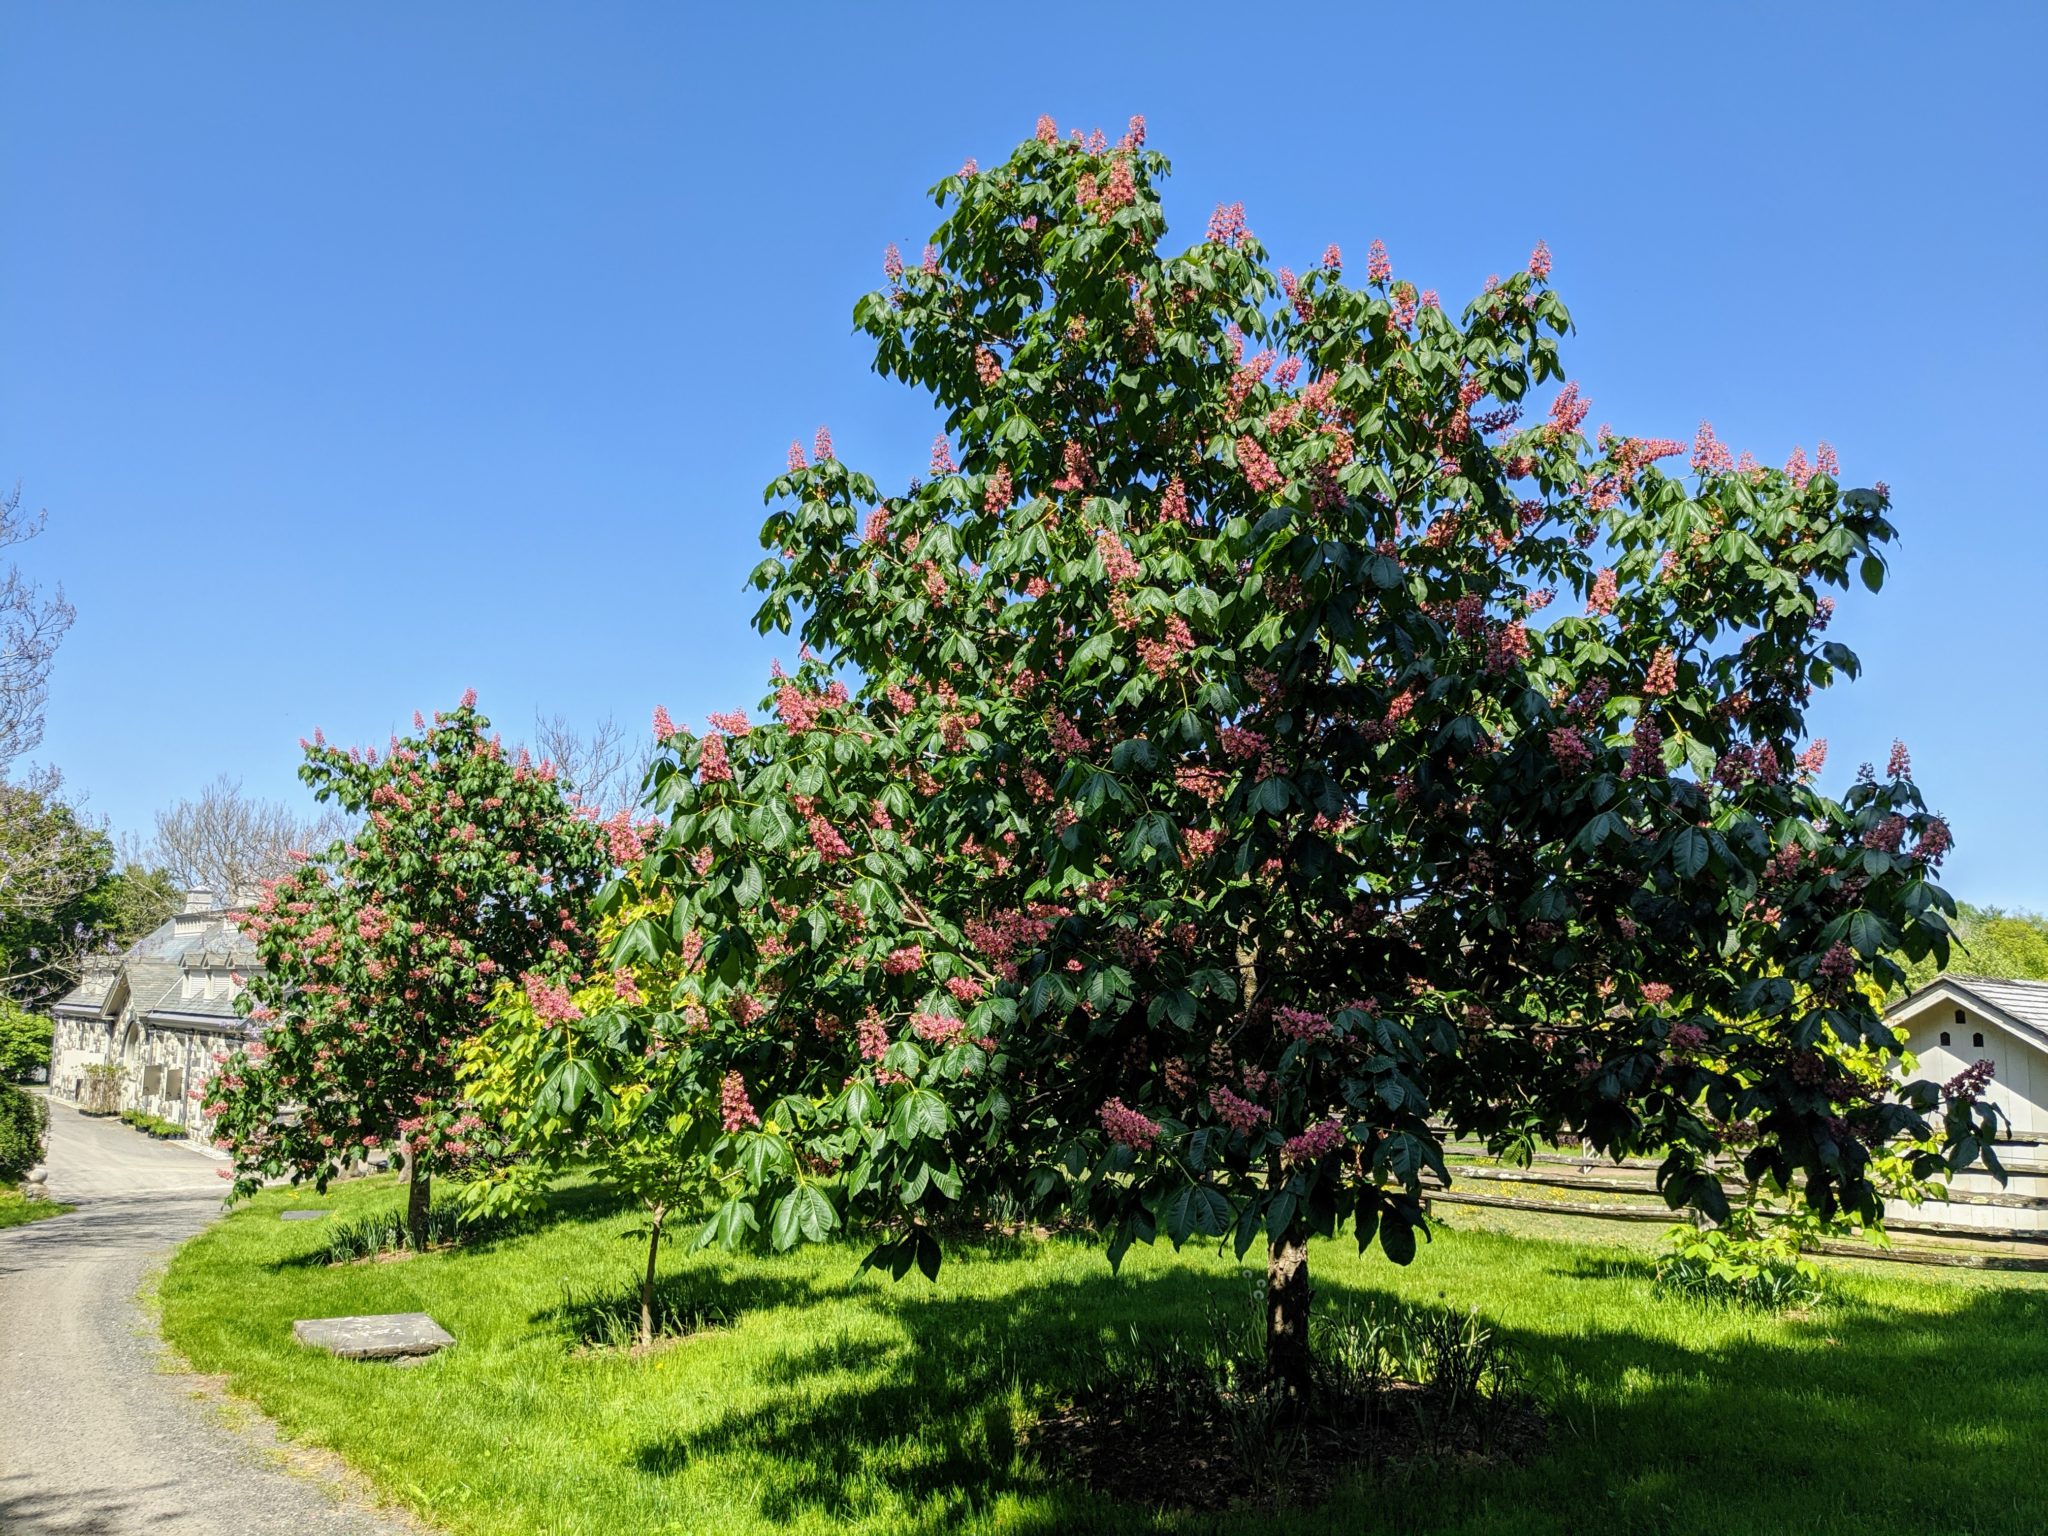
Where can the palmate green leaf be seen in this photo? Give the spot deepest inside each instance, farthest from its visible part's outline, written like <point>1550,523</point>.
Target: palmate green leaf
<point>802,1215</point>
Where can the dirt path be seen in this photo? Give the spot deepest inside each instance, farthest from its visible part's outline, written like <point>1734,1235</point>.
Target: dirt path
<point>94,1437</point>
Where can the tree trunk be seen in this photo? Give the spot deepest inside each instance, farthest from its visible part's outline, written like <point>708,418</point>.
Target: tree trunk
<point>1287,1299</point>
<point>418,1182</point>
<point>647,1281</point>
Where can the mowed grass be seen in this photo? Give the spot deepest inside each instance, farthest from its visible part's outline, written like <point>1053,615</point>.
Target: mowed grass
<point>846,1403</point>
<point>18,1210</point>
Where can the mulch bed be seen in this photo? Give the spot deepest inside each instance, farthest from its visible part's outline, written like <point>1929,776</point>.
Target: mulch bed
<point>1143,1454</point>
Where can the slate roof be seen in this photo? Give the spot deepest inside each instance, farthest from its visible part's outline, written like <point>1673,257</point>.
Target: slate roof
<point>2021,1005</point>
<point>150,977</point>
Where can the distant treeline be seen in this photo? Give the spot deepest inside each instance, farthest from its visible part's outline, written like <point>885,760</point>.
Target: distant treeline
<point>1994,942</point>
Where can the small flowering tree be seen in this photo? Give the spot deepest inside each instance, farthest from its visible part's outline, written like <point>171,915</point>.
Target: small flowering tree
<point>381,952</point>
<point>1277,738</point>
<point>590,1076</point>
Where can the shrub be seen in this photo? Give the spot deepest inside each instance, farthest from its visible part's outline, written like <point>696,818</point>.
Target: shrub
<point>23,1119</point>
<point>24,1042</point>
<point>1743,1263</point>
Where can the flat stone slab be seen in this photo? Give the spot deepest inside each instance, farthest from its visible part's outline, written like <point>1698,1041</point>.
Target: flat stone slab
<point>388,1336</point>
<point>300,1215</point>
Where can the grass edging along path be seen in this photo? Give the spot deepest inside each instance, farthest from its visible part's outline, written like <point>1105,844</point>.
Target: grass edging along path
<point>18,1210</point>
<point>827,1401</point>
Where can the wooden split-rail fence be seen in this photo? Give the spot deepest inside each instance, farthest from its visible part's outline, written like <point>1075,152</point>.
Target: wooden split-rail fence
<point>1980,1224</point>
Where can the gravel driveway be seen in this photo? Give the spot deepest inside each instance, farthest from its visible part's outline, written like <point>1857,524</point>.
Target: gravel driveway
<point>94,1436</point>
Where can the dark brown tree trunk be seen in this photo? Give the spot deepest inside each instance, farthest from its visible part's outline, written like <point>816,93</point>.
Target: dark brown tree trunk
<point>1287,1298</point>
<point>418,1182</point>
<point>647,1281</point>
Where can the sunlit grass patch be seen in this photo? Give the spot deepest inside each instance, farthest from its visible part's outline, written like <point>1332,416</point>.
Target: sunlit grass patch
<point>799,1394</point>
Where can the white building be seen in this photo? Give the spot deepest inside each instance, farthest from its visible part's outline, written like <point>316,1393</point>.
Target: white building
<point>161,1012</point>
<point>1951,1024</point>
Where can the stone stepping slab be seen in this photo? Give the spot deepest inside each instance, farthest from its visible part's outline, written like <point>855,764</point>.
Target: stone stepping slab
<point>386,1336</point>
<point>300,1215</point>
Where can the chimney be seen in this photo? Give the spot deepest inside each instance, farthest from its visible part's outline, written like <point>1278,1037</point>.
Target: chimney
<point>198,899</point>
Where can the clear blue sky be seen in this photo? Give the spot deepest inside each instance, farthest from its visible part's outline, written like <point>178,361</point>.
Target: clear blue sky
<point>365,353</point>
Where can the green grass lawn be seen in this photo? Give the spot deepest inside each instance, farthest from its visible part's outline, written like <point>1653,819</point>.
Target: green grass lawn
<point>842,1403</point>
<point>16,1210</point>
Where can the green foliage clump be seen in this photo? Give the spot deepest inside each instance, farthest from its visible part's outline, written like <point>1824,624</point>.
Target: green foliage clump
<point>1991,941</point>
<point>24,1042</point>
<point>24,1119</point>
<point>152,1125</point>
<point>1750,1260</point>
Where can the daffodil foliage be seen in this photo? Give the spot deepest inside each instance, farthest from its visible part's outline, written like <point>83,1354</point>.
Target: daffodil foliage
<point>1273,733</point>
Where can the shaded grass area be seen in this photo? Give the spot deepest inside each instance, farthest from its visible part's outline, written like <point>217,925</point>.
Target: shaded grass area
<point>17,1210</point>
<point>821,1400</point>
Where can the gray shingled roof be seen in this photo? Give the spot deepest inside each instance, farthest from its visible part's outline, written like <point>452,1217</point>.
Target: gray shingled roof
<point>2025,1001</point>
<point>2023,1005</point>
<point>153,971</point>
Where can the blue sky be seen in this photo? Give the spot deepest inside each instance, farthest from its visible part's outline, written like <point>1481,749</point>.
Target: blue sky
<point>363,354</point>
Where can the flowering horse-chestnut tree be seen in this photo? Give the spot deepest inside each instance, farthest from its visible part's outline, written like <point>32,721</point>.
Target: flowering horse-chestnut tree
<point>381,953</point>
<point>1275,732</point>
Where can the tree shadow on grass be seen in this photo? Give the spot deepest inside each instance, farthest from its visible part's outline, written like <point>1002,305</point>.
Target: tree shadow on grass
<point>701,1297</point>
<point>1859,1417</point>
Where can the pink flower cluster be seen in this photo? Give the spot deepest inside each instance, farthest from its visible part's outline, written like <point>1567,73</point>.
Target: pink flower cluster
<point>942,457</point>
<point>1539,261</point>
<point>1569,410</point>
<point>1934,844</point>
<point>1663,674</point>
<point>1709,455</point>
<point>1127,1127</point>
<point>1686,1038</point>
<point>827,840</point>
<point>1970,1083</point>
<point>1656,993</point>
<point>998,495</point>
<point>1377,267</point>
<point>1317,1142</point>
<point>874,1038</point>
<point>713,766</point>
<point>1301,1024</point>
<point>1239,1114</point>
<point>735,1109</point>
<point>939,1029</point>
<point>1075,474</point>
<point>1118,563</point>
<point>1601,598</point>
<point>1570,749</point>
<point>1258,470</point>
<point>1901,764</point>
<point>1646,752</point>
<point>1226,225</point>
<point>1173,505</point>
<point>1066,736</point>
<point>1159,656</point>
<point>903,961</point>
<point>549,1001</point>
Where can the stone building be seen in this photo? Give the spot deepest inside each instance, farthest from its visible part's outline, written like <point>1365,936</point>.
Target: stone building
<point>160,1012</point>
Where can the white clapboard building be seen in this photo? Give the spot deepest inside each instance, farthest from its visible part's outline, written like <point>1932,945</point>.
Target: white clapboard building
<point>1953,1023</point>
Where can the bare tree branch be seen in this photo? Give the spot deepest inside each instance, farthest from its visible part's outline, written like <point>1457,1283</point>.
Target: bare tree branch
<point>604,766</point>
<point>229,843</point>
<point>31,625</point>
